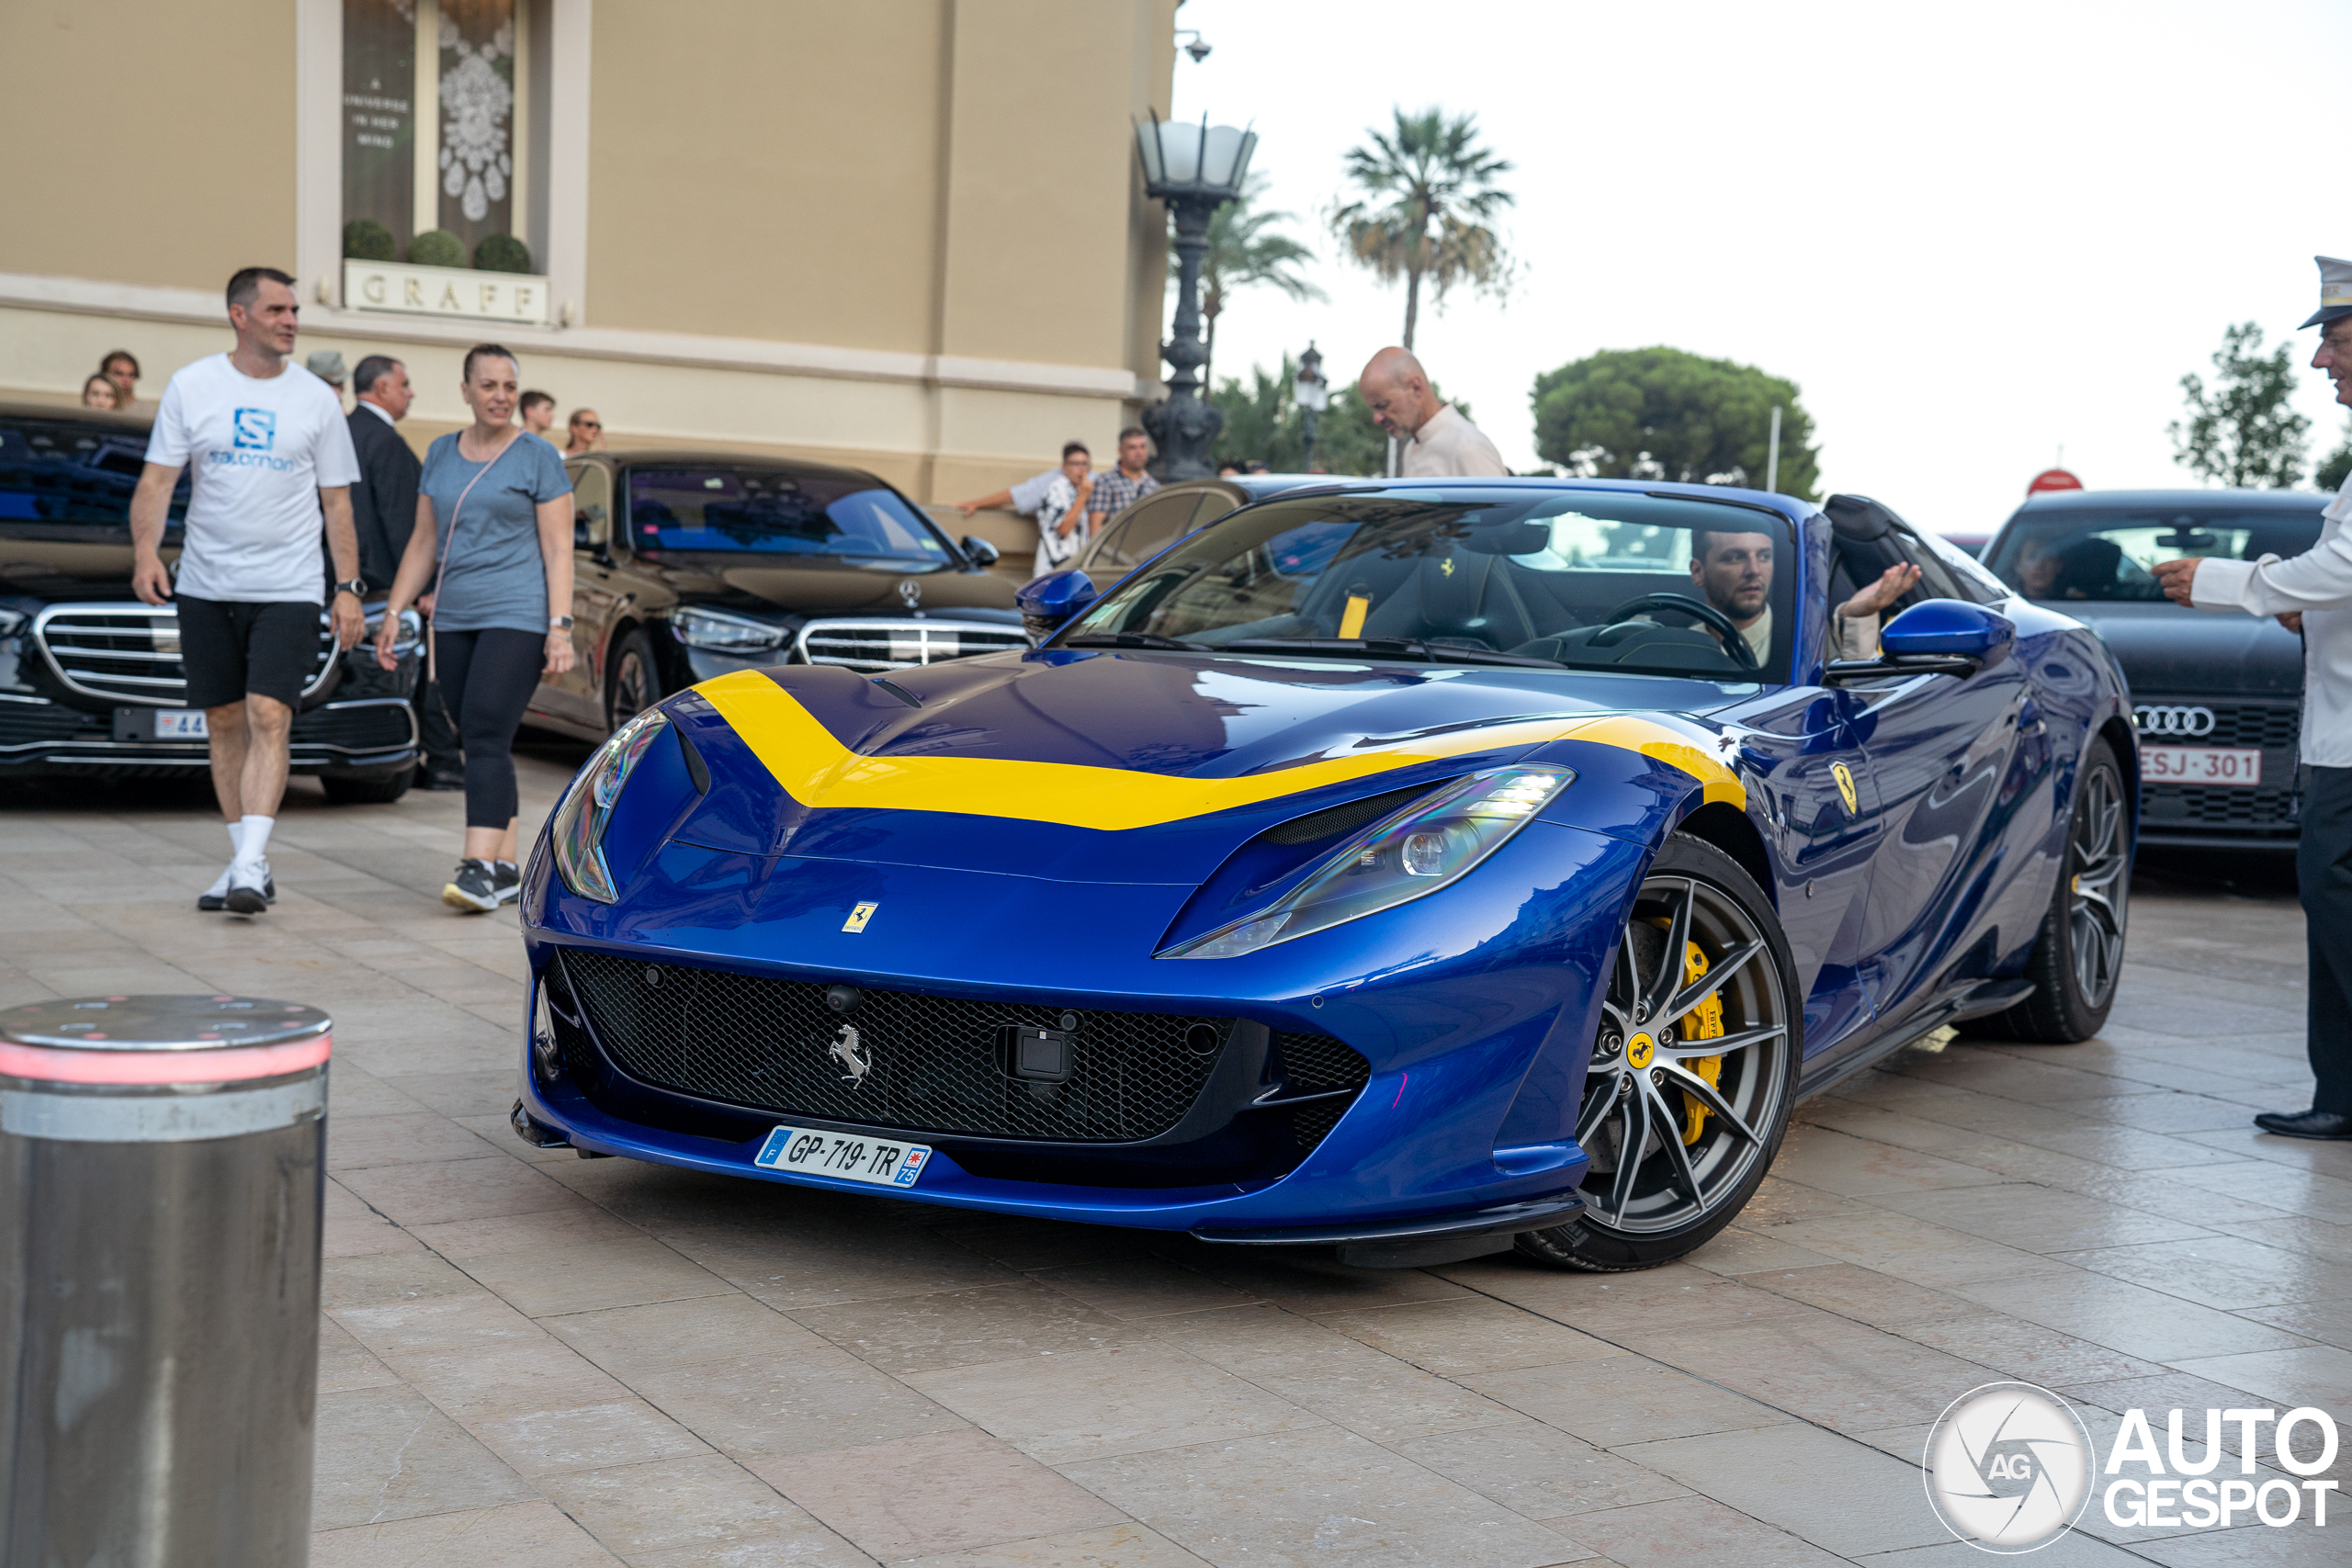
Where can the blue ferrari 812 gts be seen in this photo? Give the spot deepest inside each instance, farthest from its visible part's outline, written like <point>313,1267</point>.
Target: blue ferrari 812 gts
<point>1424,868</point>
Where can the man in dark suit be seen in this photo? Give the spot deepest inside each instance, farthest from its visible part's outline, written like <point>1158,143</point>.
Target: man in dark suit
<point>383,511</point>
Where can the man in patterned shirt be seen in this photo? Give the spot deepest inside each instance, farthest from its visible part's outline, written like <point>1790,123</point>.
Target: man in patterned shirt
<point>1126,484</point>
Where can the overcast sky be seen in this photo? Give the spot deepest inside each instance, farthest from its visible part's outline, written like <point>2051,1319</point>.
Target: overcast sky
<point>1970,234</point>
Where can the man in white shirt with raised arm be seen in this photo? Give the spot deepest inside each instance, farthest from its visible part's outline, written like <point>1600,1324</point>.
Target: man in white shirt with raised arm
<point>2311,594</point>
<point>271,451</point>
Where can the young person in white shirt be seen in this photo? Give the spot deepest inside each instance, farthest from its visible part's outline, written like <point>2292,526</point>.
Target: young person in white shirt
<point>270,452</point>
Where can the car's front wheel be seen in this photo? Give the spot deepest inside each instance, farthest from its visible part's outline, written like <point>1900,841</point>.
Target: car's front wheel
<point>635,686</point>
<point>1693,1069</point>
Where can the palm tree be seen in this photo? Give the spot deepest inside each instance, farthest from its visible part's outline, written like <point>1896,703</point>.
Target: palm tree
<point>1427,201</point>
<point>1244,249</point>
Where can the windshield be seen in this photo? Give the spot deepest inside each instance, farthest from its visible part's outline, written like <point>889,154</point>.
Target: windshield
<point>1585,579</point>
<point>55,471</point>
<point>2078,554</point>
<point>743,508</point>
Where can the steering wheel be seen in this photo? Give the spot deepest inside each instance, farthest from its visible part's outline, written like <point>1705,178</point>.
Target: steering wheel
<point>1734,643</point>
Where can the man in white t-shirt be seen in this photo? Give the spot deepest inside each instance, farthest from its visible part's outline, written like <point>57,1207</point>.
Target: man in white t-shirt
<point>271,451</point>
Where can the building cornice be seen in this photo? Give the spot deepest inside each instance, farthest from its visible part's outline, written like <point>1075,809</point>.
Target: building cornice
<point>138,301</point>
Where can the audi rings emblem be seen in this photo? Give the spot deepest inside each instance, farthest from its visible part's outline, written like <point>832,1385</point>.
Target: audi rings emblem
<point>2190,721</point>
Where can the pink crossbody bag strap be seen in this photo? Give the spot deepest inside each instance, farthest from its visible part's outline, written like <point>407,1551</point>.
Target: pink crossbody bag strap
<point>432,669</point>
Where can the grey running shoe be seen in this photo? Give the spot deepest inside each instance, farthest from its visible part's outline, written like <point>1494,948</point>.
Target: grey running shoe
<point>213,902</point>
<point>508,881</point>
<point>250,897</point>
<point>475,889</point>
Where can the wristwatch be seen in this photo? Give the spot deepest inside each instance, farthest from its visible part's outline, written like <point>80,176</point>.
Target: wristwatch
<point>357,588</point>
<point>558,623</point>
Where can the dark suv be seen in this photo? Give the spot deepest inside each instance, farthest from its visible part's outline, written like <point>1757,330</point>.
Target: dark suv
<point>692,564</point>
<point>90,677</point>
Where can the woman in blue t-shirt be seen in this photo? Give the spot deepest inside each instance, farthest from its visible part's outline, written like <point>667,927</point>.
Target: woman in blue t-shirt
<point>494,509</point>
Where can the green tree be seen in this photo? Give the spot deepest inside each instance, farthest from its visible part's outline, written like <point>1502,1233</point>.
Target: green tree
<point>1661,414</point>
<point>1263,424</point>
<point>1425,207</point>
<point>1245,249</point>
<point>2243,433</point>
<point>2335,466</point>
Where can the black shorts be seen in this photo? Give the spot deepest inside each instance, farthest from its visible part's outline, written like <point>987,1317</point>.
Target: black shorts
<point>230,647</point>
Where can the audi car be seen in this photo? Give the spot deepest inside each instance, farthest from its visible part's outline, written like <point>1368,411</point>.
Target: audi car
<point>2218,698</point>
<point>90,677</point>
<point>1425,868</point>
<point>692,564</point>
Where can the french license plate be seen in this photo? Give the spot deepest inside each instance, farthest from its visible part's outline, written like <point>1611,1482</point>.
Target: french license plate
<point>874,1161</point>
<point>2201,764</point>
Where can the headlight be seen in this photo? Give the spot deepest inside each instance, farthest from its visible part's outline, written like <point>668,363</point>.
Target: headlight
<point>11,622</point>
<point>578,831</point>
<point>723,632</point>
<point>1430,844</point>
<point>411,633</point>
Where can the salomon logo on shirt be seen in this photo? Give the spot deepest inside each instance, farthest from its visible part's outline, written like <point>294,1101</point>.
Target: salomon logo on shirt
<point>256,430</point>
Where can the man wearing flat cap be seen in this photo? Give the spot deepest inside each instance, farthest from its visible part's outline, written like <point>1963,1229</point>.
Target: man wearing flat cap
<point>2311,593</point>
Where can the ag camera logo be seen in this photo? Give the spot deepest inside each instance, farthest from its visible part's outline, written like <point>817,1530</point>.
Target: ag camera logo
<point>2008,1467</point>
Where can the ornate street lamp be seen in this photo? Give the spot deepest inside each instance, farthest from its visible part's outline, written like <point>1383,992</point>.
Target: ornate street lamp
<point>1195,169</point>
<point>1312,394</point>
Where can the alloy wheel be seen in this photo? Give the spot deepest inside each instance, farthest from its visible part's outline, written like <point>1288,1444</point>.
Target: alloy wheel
<point>2098,886</point>
<point>632,687</point>
<point>1690,1064</point>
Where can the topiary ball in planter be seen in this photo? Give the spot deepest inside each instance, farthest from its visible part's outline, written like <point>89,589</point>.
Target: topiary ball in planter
<point>363,239</point>
<point>501,252</point>
<point>436,247</point>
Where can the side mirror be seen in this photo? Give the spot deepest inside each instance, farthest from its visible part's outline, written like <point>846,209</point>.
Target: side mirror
<point>1048,602</point>
<point>1938,637</point>
<point>979,551</point>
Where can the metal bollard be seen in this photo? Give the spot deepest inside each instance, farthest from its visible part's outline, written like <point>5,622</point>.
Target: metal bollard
<point>162,1165</point>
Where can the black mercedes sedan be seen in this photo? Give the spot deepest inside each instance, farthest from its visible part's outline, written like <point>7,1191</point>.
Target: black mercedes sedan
<point>2218,698</point>
<point>690,565</point>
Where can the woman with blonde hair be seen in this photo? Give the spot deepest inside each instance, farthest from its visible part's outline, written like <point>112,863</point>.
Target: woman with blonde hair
<point>492,543</point>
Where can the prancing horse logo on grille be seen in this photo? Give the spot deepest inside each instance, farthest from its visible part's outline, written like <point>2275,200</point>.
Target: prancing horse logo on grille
<point>2168,720</point>
<point>849,1054</point>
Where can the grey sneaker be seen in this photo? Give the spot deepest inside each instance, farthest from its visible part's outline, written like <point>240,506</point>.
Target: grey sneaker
<point>212,902</point>
<point>250,897</point>
<point>506,878</point>
<point>475,888</point>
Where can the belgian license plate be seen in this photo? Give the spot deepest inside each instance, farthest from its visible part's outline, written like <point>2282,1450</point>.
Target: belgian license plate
<point>2200,764</point>
<point>874,1161</point>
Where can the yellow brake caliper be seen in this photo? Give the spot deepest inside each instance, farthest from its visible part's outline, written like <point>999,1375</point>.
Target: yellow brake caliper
<point>1704,1022</point>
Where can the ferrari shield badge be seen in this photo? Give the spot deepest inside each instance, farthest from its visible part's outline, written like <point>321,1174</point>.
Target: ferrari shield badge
<point>1838,770</point>
<point>865,912</point>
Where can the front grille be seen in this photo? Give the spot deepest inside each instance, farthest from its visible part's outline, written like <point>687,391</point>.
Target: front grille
<point>2215,806</point>
<point>29,725</point>
<point>1314,1063</point>
<point>932,1063</point>
<point>131,653</point>
<point>2267,725</point>
<point>370,724</point>
<point>901,644</point>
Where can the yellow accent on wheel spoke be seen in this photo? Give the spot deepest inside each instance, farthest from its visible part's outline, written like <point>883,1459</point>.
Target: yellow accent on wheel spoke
<point>1704,1022</point>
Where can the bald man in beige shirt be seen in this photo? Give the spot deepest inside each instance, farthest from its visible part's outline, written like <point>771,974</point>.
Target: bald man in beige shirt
<point>1438,443</point>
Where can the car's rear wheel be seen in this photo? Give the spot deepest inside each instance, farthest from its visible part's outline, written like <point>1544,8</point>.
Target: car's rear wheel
<point>1693,1070</point>
<point>634,686</point>
<point>2077,960</point>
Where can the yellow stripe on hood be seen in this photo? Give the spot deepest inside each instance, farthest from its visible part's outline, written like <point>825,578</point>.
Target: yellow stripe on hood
<point>817,770</point>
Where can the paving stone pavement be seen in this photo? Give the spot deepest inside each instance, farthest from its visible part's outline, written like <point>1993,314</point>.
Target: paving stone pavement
<point>530,1360</point>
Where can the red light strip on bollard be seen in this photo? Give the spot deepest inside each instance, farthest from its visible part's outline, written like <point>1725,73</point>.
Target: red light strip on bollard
<point>235,1063</point>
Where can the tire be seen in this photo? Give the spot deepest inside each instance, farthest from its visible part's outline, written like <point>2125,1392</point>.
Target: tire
<point>1689,1180</point>
<point>633,684</point>
<point>2077,961</point>
<point>366,791</point>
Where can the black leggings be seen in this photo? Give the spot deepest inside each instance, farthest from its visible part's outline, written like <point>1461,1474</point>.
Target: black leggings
<point>486,679</point>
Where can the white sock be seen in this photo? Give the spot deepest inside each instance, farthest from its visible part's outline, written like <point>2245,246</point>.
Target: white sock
<point>237,841</point>
<point>252,843</point>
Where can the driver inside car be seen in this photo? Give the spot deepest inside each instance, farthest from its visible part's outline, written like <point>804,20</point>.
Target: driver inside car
<point>1734,573</point>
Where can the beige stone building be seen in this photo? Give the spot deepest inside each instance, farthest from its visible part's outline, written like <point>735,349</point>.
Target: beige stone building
<point>906,234</point>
